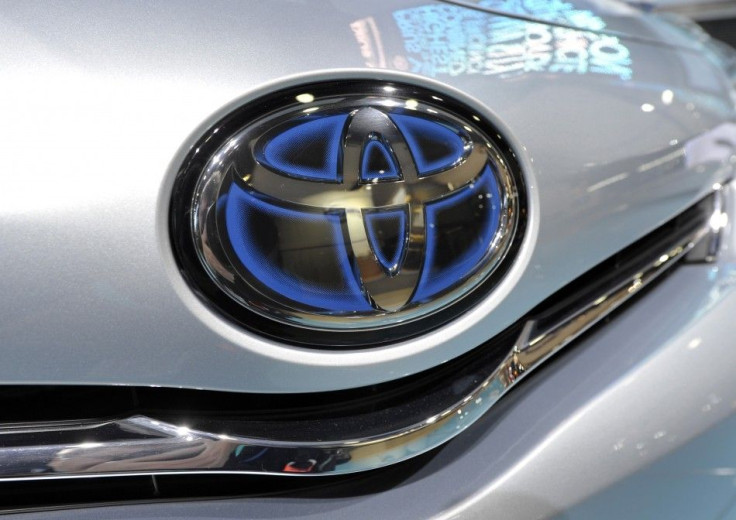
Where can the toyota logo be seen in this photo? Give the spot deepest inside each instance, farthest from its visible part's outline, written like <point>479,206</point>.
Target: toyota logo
<point>353,213</point>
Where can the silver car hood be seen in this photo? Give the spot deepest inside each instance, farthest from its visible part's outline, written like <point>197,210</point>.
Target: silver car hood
<point>99,111</point>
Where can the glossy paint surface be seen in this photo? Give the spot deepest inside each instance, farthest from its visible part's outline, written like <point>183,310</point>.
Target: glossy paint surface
<point>101,104</point>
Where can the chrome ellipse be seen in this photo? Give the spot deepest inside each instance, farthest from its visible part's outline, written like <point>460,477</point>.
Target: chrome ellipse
<point>358,210</point>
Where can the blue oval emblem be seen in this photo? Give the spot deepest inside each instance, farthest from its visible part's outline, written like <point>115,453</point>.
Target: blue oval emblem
<point>354,212</point>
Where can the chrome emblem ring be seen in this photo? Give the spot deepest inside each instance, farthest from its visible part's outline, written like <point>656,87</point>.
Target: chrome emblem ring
<point>358,213</point>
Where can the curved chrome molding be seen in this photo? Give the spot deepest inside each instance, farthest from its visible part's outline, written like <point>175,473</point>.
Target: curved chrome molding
<point>143,445</point>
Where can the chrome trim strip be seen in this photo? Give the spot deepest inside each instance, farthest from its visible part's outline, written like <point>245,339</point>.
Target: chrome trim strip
<point>706,250</point>
<point>143,445</point>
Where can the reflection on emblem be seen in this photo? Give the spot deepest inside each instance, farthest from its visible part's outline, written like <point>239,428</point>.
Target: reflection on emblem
<point>353,212</point>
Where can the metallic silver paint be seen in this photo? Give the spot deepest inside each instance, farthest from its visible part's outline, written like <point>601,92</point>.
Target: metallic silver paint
<point>656,377</point>
<point>111,107</point>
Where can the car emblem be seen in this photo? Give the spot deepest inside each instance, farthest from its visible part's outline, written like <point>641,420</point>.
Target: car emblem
<point>349,216</point>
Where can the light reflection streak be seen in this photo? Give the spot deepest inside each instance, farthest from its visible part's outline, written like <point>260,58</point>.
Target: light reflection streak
<point>607,182</point>
<point>662,160</point>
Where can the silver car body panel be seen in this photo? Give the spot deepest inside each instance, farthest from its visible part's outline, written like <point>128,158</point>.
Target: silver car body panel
<point>100,105</point>
<point>99,120</point>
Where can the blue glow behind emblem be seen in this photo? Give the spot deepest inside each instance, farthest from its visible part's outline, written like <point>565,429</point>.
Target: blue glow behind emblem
<point>378,162</point>
<point>483,195</point>
<point>244,214</point>
<point>434,146</point>
<point>308,150</point>
<point>388,250</point>
<point>349,214</point>
<point>365,210</point>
